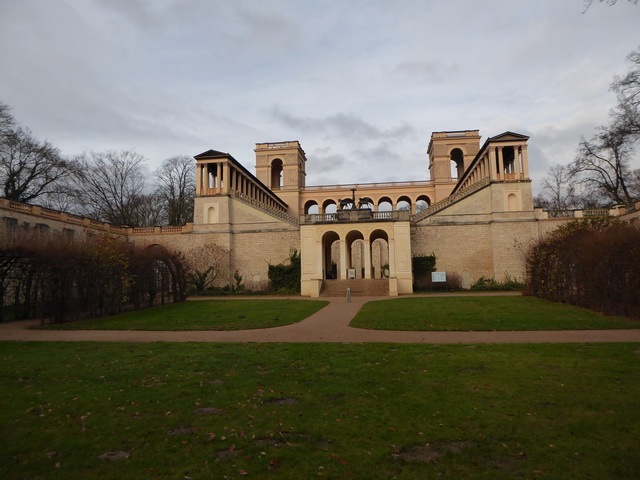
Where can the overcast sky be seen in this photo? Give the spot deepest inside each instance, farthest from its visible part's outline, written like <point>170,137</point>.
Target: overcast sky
<point>360,83</point>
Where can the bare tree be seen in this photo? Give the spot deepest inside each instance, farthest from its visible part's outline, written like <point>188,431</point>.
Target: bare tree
<point>558,189</point>
<point>7,122</point>
<point>111,185</point>
<point>587,3</point>
<point>626,115</point>
<point>176,187</point>
<point>149,210</point>
<point>29,168</point>
<point>602,164</point>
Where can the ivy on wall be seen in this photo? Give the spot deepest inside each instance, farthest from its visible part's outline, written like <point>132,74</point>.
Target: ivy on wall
<point>286,278</point>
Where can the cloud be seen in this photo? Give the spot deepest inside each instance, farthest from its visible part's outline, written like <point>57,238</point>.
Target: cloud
<point>430,70</point>
<point>344,125</point>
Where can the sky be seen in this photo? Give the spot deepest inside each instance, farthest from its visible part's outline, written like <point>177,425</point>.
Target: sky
<point>360,84</point>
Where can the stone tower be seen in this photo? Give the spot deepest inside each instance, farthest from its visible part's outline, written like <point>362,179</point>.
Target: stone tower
<point>281,167</point>
<point>450,153</point>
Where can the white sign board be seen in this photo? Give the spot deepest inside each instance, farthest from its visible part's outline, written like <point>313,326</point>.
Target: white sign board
<point>351,273</point>
<point>438,277</point>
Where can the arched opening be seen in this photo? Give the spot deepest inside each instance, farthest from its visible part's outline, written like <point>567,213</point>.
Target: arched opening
<point>404,204</point>
<point>276,174</point>
<point>330,255</point>
<point>355,254</point>
<point>512,202</point>
<point>311,208</point>
<point>457,163</point>
<point>329,206</point>
<point>384,205</point>
<point>379,241</point>
<point>422,203</point>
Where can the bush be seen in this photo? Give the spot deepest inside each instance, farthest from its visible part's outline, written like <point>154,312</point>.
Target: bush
<point>484,284</point>
<point>592,263</point>
<point>422,266</point>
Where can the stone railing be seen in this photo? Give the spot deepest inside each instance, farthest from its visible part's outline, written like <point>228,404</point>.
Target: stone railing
<point>364,186</point>
<point>593,212</point>
<point>161,230</point>
<point>356,215</point>
<point>63,217</point>
<point>451,199</point>
<point>264,207</point>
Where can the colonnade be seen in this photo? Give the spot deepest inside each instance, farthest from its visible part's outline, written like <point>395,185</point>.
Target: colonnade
<point>495,166</point>
<point>224,177</point>
<point>325,203</point>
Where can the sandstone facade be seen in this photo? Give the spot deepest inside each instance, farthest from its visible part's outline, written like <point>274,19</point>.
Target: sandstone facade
<point>475,214</point>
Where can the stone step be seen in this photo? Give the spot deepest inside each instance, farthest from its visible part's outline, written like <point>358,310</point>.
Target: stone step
<point>378,287</point>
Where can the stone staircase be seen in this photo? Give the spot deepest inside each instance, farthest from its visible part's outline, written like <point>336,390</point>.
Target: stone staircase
<point>370,287</point>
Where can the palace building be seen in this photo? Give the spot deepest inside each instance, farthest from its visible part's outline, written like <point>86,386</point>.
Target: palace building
<point>475,213</point>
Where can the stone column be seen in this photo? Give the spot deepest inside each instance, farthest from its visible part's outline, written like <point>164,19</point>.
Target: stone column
<point>367,258</point>
<point>500,164</point>
<point>226,176</point>
<point>392,257</point>
<point>516,160</point>
<point>525,162</point>
<point>343,259</point>
<point>199,179</point>
<point>492,164</point>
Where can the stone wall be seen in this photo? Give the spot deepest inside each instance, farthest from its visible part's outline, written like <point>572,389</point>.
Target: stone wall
<point>250,252</point>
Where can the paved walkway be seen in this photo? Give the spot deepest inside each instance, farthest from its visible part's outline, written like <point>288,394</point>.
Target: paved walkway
<point>331,324</point>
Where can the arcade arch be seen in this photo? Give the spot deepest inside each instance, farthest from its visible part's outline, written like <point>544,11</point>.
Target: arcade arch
<point>422,203</point>
<point>354,243</point>
<point>330,255</point>
<point>384,204</point>
<point>379,242</point>
<point>311,207</point>
<point>404,203</point>
<point>329,206</point>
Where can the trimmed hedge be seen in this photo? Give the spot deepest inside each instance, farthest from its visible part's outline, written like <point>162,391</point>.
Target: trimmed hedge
<point>592,263</point>
<point>61,279</point>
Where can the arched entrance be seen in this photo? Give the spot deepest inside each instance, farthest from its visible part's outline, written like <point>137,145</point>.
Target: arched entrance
<point>369,258</point>
<point>355,263</point>
<point>330,255</point>
<point>379,242</point>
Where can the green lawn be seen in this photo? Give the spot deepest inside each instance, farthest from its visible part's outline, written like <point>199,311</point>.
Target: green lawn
<point>205,315</point>
<point>482,313</point>
<point>299,411</point>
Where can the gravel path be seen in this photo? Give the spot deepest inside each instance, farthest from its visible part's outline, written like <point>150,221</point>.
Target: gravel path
<point>331,324</point>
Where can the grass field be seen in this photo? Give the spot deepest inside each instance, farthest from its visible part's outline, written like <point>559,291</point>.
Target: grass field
<point>482,314</point>
<point>292,411</point>
<point>205,315</point>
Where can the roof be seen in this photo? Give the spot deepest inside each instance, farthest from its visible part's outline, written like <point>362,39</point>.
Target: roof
<point>506,137</point>
<point>212,154</point>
